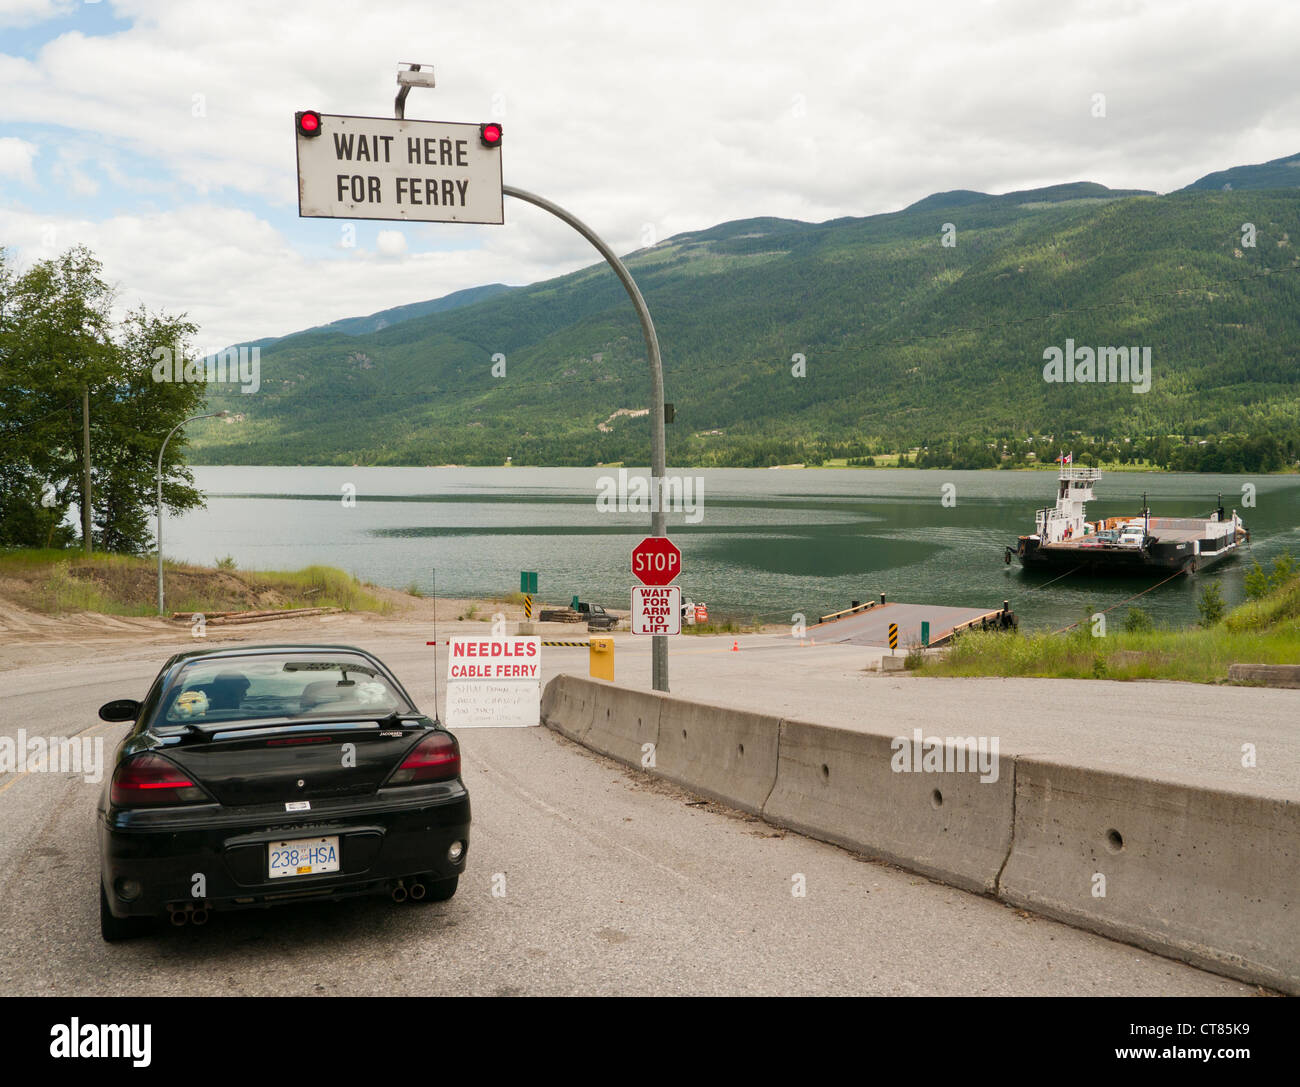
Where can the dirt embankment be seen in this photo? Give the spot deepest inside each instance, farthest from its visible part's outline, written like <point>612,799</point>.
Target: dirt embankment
<point>67,597</point>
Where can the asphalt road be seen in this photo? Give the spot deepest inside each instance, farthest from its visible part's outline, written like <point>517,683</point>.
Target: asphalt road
<point>613,884</point>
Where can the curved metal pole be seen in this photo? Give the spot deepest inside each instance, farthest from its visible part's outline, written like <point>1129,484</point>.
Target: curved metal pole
<point>158,477</point>
<point>658,454</point>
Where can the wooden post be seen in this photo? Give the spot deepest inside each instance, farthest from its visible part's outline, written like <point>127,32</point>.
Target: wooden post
<point>85,462</point>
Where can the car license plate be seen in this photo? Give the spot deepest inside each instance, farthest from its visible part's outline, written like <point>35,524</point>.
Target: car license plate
<point>303,857</point>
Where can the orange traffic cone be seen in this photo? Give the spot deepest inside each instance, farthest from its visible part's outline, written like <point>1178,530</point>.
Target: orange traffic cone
<point>735,646</point>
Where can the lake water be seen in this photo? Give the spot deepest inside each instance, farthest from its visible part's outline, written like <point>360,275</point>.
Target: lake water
<point>769,543</point>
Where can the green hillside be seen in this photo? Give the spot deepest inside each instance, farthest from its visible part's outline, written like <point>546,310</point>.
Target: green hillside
<point>1283,173</point>
<point>907,343</point>
<point>359,326</point>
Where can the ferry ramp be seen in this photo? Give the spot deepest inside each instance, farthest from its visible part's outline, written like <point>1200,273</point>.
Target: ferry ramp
<point>871,627</point>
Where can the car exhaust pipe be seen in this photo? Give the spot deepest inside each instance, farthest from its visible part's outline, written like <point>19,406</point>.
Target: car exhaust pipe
<point>179,917</point>
<point>199,916</point>
<point>399,892</point>
<point>417,891</point>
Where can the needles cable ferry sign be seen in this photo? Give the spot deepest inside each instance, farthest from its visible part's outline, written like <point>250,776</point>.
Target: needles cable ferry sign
<point>494,682</point>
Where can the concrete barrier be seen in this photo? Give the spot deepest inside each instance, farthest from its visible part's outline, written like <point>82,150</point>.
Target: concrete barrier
<point>725,754</point>
<point>1209,877</point>
<point>1267,675</point>
<point>569,706</point>
<point>1206,876</point>
<point>623,722</point>
<point>839,786</point>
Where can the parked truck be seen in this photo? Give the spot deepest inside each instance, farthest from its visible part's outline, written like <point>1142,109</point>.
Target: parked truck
<point>597,617</point>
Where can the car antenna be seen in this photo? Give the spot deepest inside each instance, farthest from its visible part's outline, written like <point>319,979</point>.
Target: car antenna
<point>436,719</point>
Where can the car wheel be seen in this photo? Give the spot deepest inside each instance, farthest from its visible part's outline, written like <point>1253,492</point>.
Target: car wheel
<point>439,890</point>
<point>113,928</point>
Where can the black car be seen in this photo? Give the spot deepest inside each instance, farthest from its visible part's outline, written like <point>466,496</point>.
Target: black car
<point>263,775</point>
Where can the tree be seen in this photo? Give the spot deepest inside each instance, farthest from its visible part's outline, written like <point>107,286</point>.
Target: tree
<point>54,326</point>
<point>133,417</point>
<point>57,338</point>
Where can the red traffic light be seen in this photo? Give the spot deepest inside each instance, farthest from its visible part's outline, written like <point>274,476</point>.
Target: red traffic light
<point>308,122</point>
<point>489,134</point>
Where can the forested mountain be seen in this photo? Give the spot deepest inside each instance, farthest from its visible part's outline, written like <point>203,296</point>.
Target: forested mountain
<point>358,326</point>
<point>907,341</point>
<point>1281,173</point>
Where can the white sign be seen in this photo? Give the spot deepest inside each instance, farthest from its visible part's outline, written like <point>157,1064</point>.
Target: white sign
<point>494,682</point>
<point>656,609</point>
<point>381,168</point>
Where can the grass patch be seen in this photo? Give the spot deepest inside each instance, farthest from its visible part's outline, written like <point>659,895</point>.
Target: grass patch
<point>58,582</point>
<point>724,626</point>
<point>319,587</point>
<point>61,592</point>
<point>1263,631</point>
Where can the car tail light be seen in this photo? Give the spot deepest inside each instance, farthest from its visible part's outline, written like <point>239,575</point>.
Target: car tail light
<point>151,781</point>
<point>435,758</point>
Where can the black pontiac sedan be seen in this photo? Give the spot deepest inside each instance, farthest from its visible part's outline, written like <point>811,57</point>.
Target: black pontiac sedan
<point>262,775</point>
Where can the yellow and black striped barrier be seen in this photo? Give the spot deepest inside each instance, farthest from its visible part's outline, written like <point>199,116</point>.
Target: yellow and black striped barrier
<point>600,663</point>
<point>893,636</point>
<point>528,605</point>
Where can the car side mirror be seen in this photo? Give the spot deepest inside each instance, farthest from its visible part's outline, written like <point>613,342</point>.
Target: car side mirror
<point>120,709</point>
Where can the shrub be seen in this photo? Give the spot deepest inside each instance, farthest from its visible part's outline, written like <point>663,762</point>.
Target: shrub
<point>1137,621</point>
<point>1260,584</point>
<point>1211,605</point>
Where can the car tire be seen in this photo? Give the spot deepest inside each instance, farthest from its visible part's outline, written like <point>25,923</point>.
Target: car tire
<point>439,890</point>
<point>113,928</point>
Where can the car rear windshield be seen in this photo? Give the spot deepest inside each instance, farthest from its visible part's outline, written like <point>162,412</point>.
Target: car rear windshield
<point>290,685</point>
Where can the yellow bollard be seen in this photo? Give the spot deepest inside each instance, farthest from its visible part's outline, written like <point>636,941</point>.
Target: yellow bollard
<point>602,658</point>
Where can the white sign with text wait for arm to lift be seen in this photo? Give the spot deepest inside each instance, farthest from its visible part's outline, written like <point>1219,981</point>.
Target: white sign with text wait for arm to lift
<point>656,609</point>
<point>381,168</point>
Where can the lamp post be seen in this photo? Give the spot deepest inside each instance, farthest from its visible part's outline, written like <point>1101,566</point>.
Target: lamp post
<point>192,418</point>
<point>415,75</point>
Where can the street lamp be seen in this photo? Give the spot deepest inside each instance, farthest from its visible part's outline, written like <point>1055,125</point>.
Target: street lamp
<point>415,75</point>
<point>192,418</point>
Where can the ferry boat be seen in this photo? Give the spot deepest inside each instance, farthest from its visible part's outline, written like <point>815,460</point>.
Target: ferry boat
<point>1063,536</point>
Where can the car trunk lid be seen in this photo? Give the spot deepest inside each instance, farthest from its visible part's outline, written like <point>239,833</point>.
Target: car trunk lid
<point>272,762</point>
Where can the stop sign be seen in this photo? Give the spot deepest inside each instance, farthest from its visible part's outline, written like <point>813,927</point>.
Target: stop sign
<point>656,560</point>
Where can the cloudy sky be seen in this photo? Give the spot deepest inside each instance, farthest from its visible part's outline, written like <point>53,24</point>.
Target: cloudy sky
<point>160,132</point>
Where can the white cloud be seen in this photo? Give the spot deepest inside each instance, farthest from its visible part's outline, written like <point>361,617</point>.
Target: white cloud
<point>16,159</point>
<point>676,114</point>
<point>28,12</point>
<point>239,278</point>
<point>391,243</point>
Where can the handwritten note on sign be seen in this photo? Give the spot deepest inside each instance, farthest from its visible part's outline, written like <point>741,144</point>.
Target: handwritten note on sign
<point>494,683</point>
